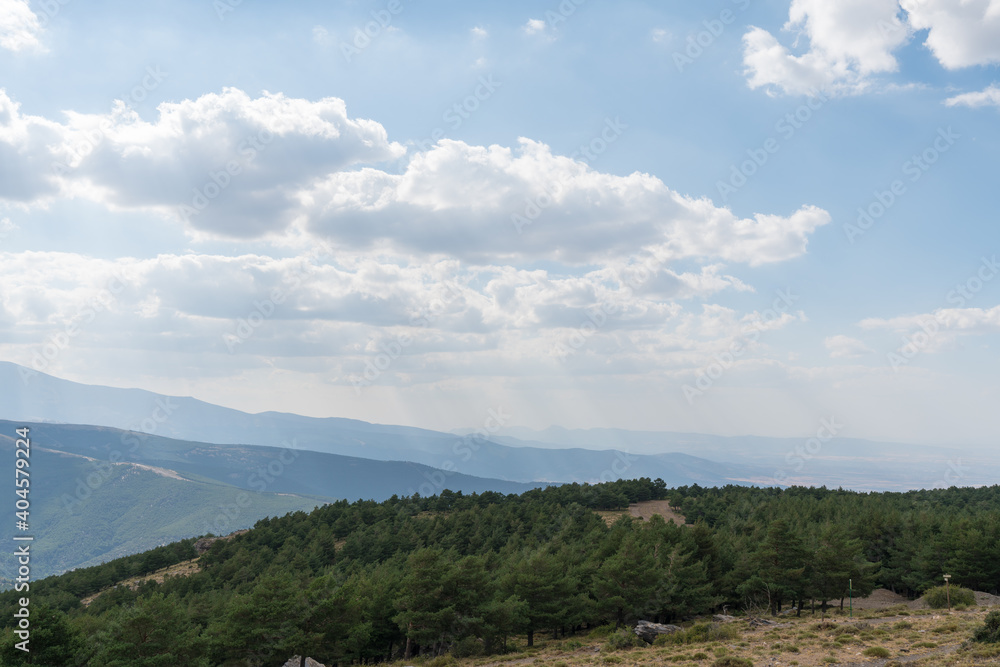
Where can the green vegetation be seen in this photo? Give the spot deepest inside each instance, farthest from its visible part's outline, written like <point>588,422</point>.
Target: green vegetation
<point>989,632</point>
<point>937,597</point>
<point>435,578</point>
<point>876,652</point>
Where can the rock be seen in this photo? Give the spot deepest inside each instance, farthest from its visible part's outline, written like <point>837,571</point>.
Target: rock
<point>294,662</point>
<point>648,631</point>
<point>723,618</point>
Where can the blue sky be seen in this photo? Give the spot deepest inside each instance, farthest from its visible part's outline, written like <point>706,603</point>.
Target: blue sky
<point>403,227</point>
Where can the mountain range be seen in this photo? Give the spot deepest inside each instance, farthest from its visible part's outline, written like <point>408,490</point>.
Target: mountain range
<point>118,471</point>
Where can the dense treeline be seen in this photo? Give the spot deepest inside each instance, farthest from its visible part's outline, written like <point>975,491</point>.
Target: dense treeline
<point>368,581</point>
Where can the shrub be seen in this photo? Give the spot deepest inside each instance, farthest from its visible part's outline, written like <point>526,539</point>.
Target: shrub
<point>468,647</point>
<point>876,652</point>
<point>699,656</point>
<point>989,631</point>
<point>925,645</point>
<point>624,640</point>
<point>600,631</point>
<point>903,625</point>
<point>937,597</point>
<point>698,633</point>
<point>732,661</point>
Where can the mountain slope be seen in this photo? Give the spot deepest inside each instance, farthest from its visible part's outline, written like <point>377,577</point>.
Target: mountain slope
<point>99,493</point>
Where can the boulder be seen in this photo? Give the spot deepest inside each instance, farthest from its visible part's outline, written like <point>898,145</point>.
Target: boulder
<point>294,662</point>
<point>723,618</point>
<point>648,631</point>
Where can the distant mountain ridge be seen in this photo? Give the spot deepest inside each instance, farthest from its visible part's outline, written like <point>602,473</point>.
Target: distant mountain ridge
<point>45,398</point>
<point>513,454</point>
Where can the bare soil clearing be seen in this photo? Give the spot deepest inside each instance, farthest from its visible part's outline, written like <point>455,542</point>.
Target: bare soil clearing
<point>644,510</point>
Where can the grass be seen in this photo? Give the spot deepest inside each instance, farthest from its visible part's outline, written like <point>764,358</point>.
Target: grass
<point>937,639</point>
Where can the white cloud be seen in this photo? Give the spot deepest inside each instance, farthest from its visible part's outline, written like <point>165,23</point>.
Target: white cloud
<point>955,320</point>
<point>960,34</point>
<point>845,347</point>
<point>226,163</point>
<point>989,96</point>
<point>479,32</point>
<point>19,26</point>
<point>486,204</point>
<point>534,27</point>
<point>232,166</point>
<point>849,41</point>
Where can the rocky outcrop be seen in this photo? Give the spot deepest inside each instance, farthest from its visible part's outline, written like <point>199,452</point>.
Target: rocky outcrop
<point>295,661</point>
<point>648,631</point>
<point>723,618</point>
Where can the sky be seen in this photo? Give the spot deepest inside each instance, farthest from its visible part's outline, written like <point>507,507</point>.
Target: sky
<point>737,217</point>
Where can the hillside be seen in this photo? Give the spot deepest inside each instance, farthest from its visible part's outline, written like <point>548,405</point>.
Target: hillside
<point>100,493</point>
<point>540,577</point>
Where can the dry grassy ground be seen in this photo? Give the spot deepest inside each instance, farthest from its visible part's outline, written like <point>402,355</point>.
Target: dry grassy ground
<point>910,637</point>
<point>181,569</point>
<point>644,510</point>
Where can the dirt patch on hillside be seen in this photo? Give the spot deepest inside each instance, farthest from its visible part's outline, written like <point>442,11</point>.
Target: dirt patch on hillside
<point>181,569</point>
<point>644,510</point>
<point>647,508</point>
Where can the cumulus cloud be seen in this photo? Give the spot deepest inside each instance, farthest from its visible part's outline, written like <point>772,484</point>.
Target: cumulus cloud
<point>483,203</point>
<point>848,42</point>
<point>989,96</point>
<point>19,26</point>
<point>228,165</point>
<point>225,163</point>
<point>845,347</point>
<point>960,34</point>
